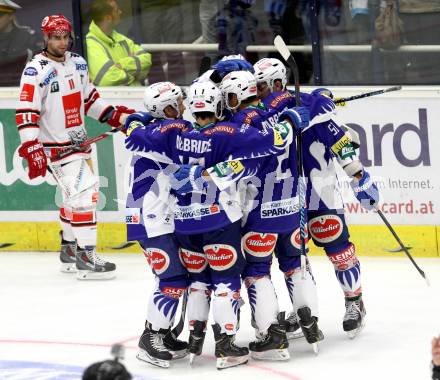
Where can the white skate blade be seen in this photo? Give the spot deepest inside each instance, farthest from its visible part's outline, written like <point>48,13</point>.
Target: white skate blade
<point>68,268</point>
<point>315,348</point>
<point>143,356</point>
<point>298,334</point>
<point>281,354</point>
<point>354,333</point>
<point>179,354</point>
<point>90,275</point>
<point>231,361</point>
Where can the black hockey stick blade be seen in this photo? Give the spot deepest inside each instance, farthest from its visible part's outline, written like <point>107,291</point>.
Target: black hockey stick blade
<point>397,250</point>
<point>176,331</point>
<point>5,245</point>
<point>403,247</point>
<point>205,65</point>
<point>123,245</point>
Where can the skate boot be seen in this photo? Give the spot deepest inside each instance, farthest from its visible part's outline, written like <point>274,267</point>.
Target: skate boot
<point>67,255</point>
<point>196,340</point>
<point>152,349</point>
<point>273,345</point>
<point>354,318</point>
<point>293,329</point>
<point>227,353</point>
<point>91,267</point>
<point>309,327</point>
<point>177,348</point>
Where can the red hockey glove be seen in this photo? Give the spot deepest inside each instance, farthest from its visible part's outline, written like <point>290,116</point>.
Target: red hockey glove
<point>115,117</point>
<point>33,152</point>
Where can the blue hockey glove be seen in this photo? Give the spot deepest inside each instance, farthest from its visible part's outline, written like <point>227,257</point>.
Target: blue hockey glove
<point>298,116</point>
<point>188,178</point>
<point>229,65</point>
<point>322,91</point>
<point>366,191</point>
<point>143,117</point>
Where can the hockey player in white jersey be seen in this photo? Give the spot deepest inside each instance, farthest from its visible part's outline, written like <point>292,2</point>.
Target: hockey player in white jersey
<point>55,95</point>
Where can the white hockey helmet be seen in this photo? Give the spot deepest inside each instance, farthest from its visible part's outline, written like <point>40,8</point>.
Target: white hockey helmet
<point>241,83</point>
<point>205,97</point>
<point>268,70</point>
<point>160,95</point>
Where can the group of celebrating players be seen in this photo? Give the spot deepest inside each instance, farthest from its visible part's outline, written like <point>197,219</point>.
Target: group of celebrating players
<point>211,201</point>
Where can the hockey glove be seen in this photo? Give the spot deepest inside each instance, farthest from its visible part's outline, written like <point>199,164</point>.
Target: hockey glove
<point>33,152</point>
<point>299,117</point>
<point>117,116</point>
<point>188,178</point>
<point>322,91</point>
<point>366,191</point>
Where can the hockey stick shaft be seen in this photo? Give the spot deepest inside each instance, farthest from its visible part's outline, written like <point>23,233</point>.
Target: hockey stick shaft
<point>179,327</point>
<point>288,57</point>
<point>421,272</point>
<point>368,94</point>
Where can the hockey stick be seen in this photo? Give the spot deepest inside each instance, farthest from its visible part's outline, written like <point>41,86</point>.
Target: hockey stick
<point>5,245</point>
<point>85,144</point>
<point>367,94</point>
<point>285,53</point>
<point>205,65</point>
<point>405,249</point>
<point>176,331</point>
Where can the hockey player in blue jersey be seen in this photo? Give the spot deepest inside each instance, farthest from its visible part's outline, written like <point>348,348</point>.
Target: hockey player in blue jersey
<point>273,224</point>
<point>207,220</point>
<point>324,140</point>
<point>150,221</point>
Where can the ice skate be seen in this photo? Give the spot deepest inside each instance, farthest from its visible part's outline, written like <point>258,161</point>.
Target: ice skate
<point>67,255</point>
<point>177,348</point>
<point>152,348</point>
<point>227,353</point>
<point>354,318</point>
<point>293,329</point>
<point>309,327</point>
<point>196,340</point>
<point>91,267</point>
<point>273,345</point>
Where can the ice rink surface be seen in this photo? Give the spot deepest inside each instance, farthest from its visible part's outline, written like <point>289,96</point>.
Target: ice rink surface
<point>52,325</point>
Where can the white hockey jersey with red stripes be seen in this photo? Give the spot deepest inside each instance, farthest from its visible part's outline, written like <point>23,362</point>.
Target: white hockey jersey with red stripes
<point>54,97</point>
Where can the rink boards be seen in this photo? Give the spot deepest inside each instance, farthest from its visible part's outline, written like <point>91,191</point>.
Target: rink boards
<point>398,134</point>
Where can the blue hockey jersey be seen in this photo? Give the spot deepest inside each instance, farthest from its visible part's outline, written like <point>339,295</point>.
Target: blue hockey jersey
<point>220,143</point>
<point>322,140</point>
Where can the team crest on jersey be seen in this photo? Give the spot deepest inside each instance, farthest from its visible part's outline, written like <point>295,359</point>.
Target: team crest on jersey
<point>158,260</point>
<point>31,71</point>
<point>55,87</point>
<point>194,262</point>
<point>220,256</point>
<point>259,245</point>
<point>326,228</point>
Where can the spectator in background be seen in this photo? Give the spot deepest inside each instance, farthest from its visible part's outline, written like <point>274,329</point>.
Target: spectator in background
<point>236,27</point>
<point>17,45</point>
<point>114,59</point>
<point>421,21</point>
<point>436,358</point>
<point>161,22</point>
